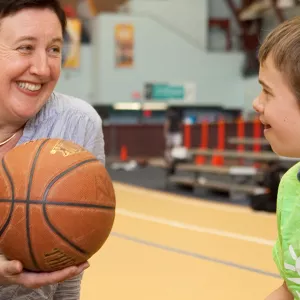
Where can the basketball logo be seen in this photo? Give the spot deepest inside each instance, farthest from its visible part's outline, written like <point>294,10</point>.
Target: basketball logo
<point>58,259</point>
<point>66,148</point>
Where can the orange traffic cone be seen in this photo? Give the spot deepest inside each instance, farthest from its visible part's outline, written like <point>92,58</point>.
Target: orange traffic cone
<point>123,153</point>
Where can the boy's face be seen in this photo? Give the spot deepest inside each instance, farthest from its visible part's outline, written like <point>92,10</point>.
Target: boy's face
<point>279,111</point>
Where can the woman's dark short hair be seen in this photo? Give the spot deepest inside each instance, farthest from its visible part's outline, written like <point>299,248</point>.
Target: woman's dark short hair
<point>10,7</point>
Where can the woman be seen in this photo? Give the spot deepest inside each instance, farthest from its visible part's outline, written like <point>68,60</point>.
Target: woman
<point>31,34</point>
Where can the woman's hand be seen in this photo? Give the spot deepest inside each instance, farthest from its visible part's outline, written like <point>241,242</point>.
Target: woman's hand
<point>11,272</point>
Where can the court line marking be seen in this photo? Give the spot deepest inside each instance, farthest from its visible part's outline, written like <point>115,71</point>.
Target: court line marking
<point>183,199</point>
<point>200,229</point>
<point>194,255</point>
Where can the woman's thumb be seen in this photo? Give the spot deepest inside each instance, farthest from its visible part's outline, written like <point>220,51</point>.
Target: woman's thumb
<point>10,268</point>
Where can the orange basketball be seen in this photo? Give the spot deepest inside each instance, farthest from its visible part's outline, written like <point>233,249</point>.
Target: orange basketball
<point>57,204</point>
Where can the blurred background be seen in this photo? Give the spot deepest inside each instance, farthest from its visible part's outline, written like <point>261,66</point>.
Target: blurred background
<point>134,60</point>
<point>174,81</point>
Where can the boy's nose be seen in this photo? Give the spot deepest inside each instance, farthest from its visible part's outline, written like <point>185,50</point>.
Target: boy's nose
<point>257,105</point>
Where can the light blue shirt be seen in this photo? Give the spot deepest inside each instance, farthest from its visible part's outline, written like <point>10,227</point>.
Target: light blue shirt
<point>68,118</point>
<point>71,119</point>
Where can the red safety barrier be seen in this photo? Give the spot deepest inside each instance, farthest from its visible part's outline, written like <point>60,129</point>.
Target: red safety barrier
<point>221,134</point>
<point>256,134</point>
<point>187,136</point>
<point>200,159</point>
<point>218,160</point>
<point>240,123</point>
<point>240,127</point>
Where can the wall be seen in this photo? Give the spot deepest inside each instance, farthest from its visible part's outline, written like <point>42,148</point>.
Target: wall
<point>78,82</point>
<point>163,55</point>
<point>189,17</point>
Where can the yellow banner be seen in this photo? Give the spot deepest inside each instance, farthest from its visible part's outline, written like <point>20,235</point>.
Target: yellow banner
<point>124,45</point>
<point>71,54</point>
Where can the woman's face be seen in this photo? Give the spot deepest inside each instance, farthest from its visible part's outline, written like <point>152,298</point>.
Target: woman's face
<point>30,62</point>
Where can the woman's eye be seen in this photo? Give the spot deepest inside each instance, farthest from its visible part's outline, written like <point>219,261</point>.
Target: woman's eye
<point>55,50</point>
<point>26,48</point>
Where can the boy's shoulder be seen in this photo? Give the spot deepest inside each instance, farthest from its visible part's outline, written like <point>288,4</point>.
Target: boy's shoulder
<point>292,175</point>
<point>289,188</point>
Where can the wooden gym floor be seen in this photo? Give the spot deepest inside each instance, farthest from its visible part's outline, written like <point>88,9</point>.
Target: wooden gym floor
<point>164,246</point>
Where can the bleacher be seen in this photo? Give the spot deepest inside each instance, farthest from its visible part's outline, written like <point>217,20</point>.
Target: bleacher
<point>239,170</point>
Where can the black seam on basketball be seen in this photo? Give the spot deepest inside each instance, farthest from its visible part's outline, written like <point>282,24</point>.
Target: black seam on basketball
<point>12,200</point>
<point>37,154</point>
<point>58,203</point>
<point>52,227</point>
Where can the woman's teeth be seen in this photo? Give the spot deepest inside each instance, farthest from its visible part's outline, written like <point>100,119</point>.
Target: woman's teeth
<point>29,86</point>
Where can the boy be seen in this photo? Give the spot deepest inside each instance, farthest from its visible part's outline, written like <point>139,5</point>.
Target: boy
<point>279,108</point>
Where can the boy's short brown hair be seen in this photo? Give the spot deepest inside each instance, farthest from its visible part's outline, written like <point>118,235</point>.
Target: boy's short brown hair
<point>283,44</point>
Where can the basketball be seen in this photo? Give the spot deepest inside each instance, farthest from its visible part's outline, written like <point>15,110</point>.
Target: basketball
<point>57,205</point>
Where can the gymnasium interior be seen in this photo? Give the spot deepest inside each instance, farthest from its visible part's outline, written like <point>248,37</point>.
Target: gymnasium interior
<point>204,228</point>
